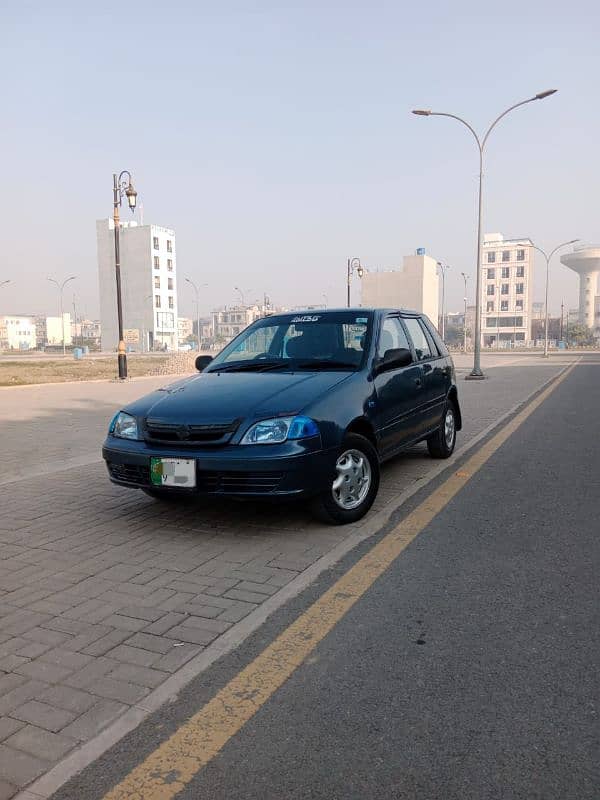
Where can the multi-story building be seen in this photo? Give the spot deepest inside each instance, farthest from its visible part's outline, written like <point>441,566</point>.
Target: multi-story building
<point>415,286</point>
<point>228,322</point>
<point>148,286</point>
<point>506,290</point>
<point>17,333</point>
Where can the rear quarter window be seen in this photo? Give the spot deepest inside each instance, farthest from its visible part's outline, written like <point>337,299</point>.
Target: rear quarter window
<point>439,342</point>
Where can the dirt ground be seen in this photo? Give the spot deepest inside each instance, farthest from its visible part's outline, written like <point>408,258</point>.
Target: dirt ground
<point>59,370</point>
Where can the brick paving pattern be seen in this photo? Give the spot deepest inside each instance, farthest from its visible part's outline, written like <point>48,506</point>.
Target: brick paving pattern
<point>104,593</point>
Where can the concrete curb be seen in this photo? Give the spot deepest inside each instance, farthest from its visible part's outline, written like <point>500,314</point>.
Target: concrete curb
<point>75,762</point>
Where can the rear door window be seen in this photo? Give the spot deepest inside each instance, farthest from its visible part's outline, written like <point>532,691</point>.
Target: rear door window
<point>419,339</point>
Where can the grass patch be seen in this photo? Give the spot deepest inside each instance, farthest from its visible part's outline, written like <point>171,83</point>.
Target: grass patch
<point>59,370</point>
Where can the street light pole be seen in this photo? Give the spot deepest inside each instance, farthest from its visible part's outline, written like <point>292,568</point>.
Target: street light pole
<point>121,186</point>
<point>476,373</point>
<point>60,287</point>
<point>353,265</point>
<point>465,317</point>
<point>196,289</point>
<point>547,258</point>
<point>443,269</point>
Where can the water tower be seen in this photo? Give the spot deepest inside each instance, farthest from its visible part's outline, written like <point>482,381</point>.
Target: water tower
<point>585,260</point>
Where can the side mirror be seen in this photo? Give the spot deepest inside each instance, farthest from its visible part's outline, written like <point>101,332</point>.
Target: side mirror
<point>394,359</point>
<point>202,362</point>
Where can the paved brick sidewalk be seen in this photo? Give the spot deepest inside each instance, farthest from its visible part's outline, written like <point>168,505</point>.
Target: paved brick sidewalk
<point>105,593</point>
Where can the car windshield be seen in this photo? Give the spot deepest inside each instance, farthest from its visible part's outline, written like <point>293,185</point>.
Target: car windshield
<point>313,340</point>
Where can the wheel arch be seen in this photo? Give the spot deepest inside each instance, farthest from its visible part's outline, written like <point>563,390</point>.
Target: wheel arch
<point>363,427</point>
<point>453,395</point>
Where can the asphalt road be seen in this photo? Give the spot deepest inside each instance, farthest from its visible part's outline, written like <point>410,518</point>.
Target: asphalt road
<point>469,669</point>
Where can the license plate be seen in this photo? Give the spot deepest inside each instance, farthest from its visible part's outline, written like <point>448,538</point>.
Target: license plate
<point>178,472</point>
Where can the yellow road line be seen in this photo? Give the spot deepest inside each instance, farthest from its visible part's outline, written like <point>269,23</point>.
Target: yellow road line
<point>166,771</point>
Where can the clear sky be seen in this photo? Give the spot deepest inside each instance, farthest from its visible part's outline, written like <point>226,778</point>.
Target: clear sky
<point>277,138</point>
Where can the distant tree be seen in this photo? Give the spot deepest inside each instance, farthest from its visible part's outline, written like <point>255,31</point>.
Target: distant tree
<point>581,334</point>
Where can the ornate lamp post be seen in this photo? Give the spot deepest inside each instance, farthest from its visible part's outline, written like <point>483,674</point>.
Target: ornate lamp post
<point>476,373</point>
<point>354,265</point>
<point>122,186</point>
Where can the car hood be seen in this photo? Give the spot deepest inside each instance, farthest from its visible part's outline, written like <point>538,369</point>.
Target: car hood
<point>219,397</point>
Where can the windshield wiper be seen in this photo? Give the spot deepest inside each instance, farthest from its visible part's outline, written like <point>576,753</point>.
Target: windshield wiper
<point>251,366</point>
<point>326,364</point>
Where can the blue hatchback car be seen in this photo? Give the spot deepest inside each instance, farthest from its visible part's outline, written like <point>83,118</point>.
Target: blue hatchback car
<point>306,404</point>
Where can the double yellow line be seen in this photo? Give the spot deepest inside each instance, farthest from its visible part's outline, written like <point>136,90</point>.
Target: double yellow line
<point>167,771</point>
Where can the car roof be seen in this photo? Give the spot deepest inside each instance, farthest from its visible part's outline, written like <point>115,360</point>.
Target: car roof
<point>352,310</point>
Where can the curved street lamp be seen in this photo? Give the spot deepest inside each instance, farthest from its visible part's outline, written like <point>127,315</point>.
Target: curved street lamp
<point>197,290</point>
<point>122,187</point>
<point>476,373</point>
<point>443,268</point>
<point>60,287</point>
<point>3,283</point>
<point>547,258</point>
<point>242,294</point>
<point>353,265</point>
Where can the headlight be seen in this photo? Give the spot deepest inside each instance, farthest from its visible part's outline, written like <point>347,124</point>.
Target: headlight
<point>274,431</point>
<point>124,426</point>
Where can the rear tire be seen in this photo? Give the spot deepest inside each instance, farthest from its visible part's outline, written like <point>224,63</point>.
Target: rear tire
<point>441,443</point>
<point>354,485</point>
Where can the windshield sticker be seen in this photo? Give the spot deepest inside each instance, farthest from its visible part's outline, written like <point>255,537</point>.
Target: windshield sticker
<point>306,318</point>
<point>361,320</point>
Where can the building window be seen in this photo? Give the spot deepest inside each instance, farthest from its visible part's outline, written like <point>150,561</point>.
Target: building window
<point>157,281</point>
<point>156,262</point>
<point>491,273</point>
<point>490,306</point>
<point>520,255</point>
<point>155,242</point>
<point>157,301</point>
<point>519,305</point>
<point>504,305</point>
<point>170,284</point>
<point>490,289</point>
<point>520,288</point>
<point>170,264</point>
<point>506,272</point>
<point>169,246</point>
<point>521,271</point>
<point>505,288</point>
<point>171,302</point>
<point>491,258</point>
<point>506,255</point>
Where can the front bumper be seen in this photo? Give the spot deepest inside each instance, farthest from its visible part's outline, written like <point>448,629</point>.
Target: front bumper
<point>283,470</point>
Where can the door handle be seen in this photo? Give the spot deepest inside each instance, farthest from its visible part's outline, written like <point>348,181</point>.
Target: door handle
<point>418,382</point>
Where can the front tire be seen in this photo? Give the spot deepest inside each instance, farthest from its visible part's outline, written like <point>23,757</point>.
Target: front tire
<point>355,483</point>
<point>441,443</point>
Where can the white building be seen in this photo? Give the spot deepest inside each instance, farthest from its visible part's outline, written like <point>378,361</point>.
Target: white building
<point>185,328</point>
<point>17,333</point>
<point>415,286</point>
<point>228,322</point>
<point>506,290</point>
<point>148,286</point>
<point>55,326</point>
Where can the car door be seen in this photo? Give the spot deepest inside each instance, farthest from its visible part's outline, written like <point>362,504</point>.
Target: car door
<point>432,364</point>
<point>398,415</point>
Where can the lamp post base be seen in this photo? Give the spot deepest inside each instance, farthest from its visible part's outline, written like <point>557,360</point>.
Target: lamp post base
<point>122,360</point>
<point>475,376</point>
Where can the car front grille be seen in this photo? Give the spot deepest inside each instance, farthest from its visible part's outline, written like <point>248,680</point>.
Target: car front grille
<point>189,435</point>
<point>238,482</point>
<point>129,473</point>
